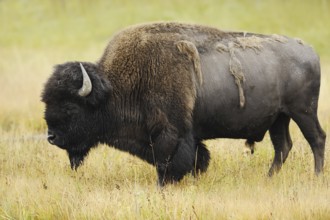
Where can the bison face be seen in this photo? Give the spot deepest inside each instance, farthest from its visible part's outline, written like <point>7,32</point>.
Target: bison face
<point>66,123</point>
<point>70,127</point>
<point>75,98</point>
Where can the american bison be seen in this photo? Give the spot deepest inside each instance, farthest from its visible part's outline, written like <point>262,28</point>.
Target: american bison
<point>160,89</point>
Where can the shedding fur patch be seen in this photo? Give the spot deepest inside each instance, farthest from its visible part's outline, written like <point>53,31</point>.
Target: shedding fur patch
<point>221,48</point>
<point>279,38</point>
<point>236,70</point>
<point>189,49</point>
<point>300,41</point>
<point>254,43</point>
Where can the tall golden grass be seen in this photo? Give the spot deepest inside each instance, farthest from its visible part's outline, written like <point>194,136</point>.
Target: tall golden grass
<point>35,179</point>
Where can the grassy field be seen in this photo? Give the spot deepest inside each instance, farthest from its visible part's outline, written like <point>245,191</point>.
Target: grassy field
<point>35,179</point>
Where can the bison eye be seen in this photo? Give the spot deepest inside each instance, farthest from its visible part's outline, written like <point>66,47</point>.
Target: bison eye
<point>71,108</point>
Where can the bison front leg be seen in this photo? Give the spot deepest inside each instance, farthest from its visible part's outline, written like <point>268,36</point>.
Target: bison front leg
<point>173,156</point>
<point>164,146</point>
<point>191,156</point>
<point>187,157</point>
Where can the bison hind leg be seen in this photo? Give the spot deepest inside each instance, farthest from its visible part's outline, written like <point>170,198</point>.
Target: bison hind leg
<point>202,158</point>
<point>314,134</point>
<point>280,137</point>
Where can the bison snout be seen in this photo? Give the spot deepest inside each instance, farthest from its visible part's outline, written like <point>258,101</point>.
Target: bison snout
<point>51,137</point>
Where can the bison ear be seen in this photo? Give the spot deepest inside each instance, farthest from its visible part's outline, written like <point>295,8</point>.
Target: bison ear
<point>100,87</point>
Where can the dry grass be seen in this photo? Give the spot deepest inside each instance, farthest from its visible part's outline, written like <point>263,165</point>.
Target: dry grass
<point>112,185</point>
<point>36,181</point>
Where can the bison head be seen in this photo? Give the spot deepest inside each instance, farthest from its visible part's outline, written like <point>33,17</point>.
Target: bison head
<point>75,96</point>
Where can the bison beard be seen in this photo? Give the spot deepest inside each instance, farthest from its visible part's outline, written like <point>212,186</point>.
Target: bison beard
<point>160,89</point>
<point>76,158</point>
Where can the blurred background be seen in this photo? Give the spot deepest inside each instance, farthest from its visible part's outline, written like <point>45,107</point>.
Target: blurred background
<point>37,34</point>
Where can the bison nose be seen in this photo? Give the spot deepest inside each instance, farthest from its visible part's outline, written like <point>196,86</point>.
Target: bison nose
<point>51,137</point>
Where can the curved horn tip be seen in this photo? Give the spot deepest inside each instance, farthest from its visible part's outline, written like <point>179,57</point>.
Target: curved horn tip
<point>86,88</point>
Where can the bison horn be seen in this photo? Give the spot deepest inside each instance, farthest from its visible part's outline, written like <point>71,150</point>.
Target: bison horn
<point>87,84</point>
